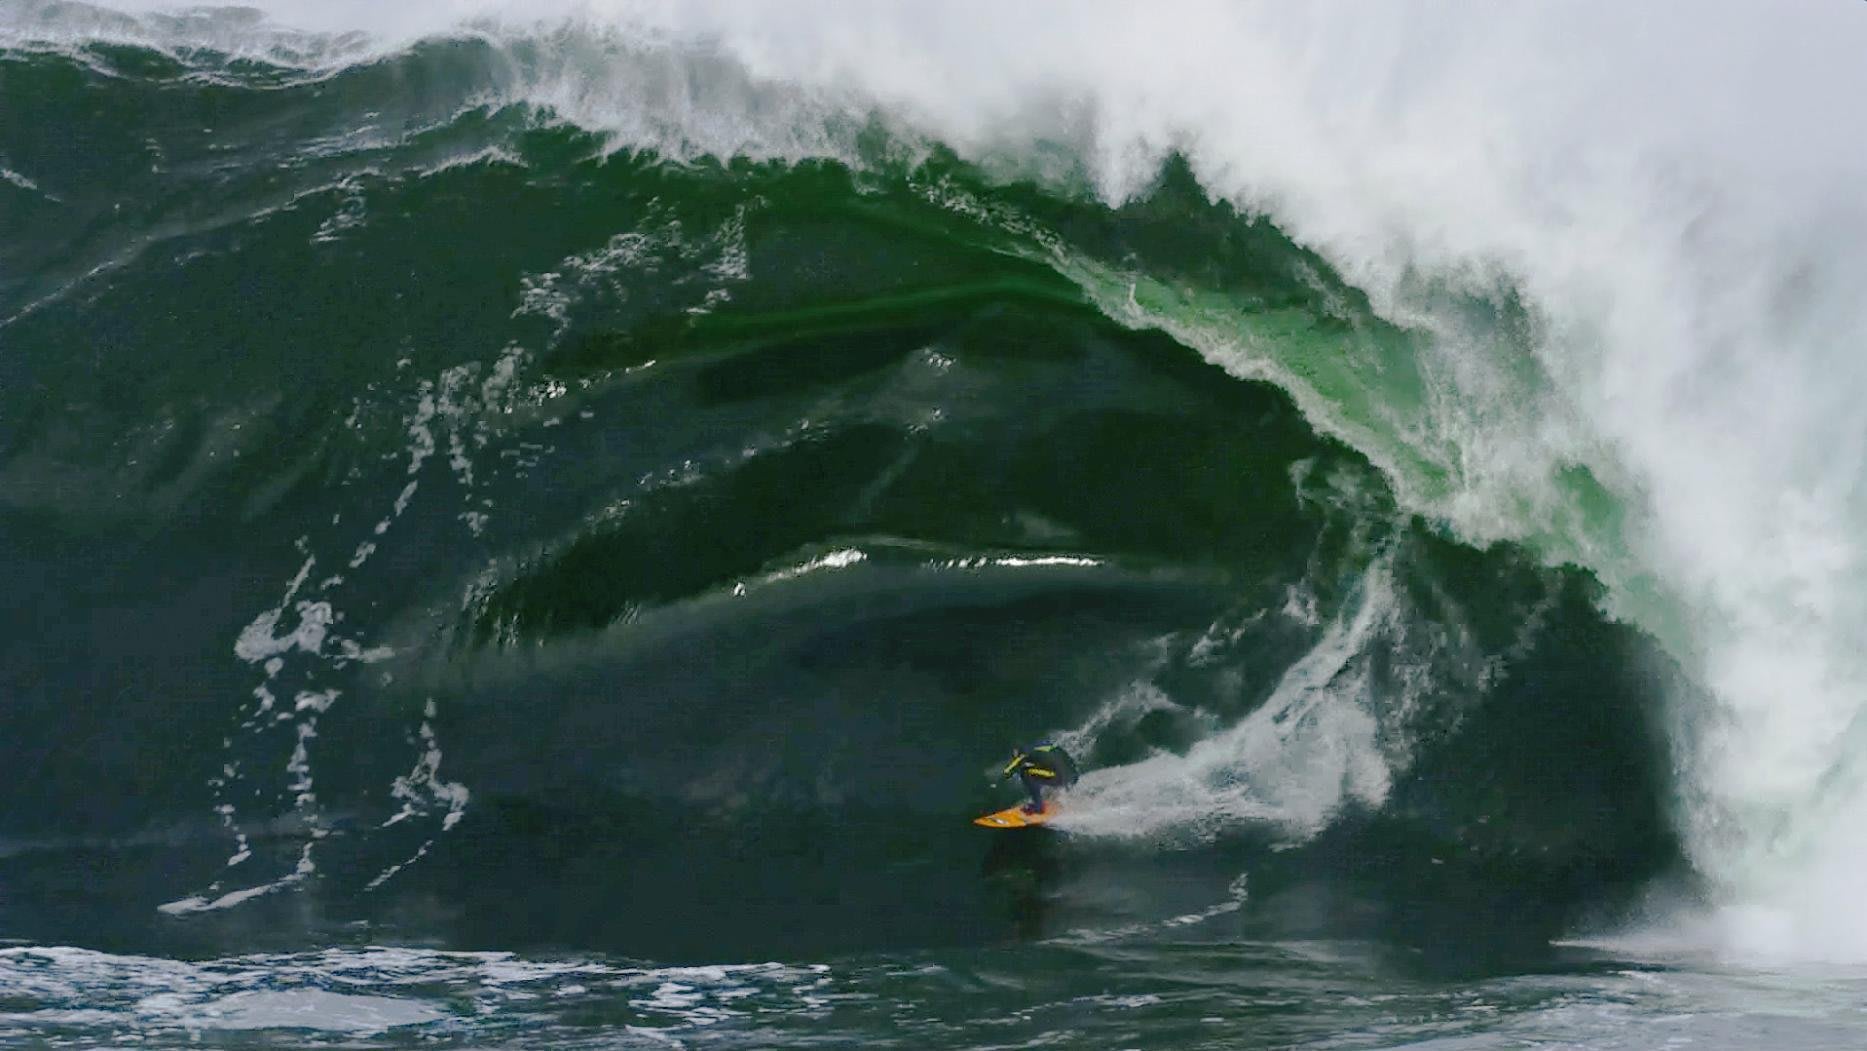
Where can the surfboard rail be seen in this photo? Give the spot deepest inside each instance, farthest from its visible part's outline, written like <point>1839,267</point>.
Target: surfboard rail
<point>1016,817</point>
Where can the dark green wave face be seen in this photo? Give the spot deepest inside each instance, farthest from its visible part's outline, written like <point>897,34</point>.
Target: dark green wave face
<point>427,525</point>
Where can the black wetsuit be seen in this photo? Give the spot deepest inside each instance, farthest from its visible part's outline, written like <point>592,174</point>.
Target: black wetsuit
<point>1042,765</point>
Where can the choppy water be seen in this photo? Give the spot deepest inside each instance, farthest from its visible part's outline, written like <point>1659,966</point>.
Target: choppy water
<point>1188,992</point>
<point>533,527</point>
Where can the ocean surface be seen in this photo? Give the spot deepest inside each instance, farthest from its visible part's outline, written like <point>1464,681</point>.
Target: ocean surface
<point>534,525</point>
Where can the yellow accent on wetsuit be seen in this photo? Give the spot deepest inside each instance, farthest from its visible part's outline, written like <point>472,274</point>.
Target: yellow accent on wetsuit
<point>1025,764</point>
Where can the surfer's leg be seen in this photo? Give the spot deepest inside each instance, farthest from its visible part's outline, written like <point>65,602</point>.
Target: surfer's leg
<point>1033,788</point>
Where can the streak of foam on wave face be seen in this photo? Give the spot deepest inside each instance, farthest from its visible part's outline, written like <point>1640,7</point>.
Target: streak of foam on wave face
<point>1666,190</point>
<point>1312,748</point>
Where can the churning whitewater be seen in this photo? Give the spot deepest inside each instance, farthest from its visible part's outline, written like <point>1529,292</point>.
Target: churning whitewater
<point>534,523</point>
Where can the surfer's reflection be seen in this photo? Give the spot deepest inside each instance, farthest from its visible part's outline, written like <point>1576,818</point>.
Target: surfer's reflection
<point>1019,870</point>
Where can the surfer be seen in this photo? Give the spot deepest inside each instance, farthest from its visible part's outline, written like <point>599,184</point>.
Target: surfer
<point>1040,766</point>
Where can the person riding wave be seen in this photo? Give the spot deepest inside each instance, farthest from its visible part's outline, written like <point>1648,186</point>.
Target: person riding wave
<point>1040,766</point>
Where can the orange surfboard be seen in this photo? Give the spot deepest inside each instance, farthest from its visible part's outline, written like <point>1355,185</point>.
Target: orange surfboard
<point>1015,817</point>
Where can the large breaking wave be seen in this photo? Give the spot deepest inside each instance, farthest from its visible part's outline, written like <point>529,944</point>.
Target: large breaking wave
<point>1610,262</point>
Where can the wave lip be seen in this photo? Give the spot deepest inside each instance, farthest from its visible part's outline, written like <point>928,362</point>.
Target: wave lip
<point>205,36</point>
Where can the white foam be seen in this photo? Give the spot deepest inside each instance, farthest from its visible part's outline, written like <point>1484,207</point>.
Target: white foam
<point>315,1009</point>
<point>840,559</point>
<point>198,903</point>
<point>419,791</point>
<point>1017,562</point>
<point>1315,746</point>
<point>362,991</point>
<point>17,180</point>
